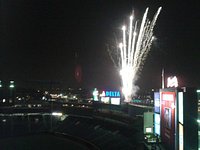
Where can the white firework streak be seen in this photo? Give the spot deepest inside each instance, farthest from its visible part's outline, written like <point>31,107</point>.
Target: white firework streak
<point>132,57</point>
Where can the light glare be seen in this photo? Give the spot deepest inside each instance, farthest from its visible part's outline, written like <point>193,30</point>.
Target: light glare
<point>123,28</point>
<point>57,114</point>
<point>120,45</point>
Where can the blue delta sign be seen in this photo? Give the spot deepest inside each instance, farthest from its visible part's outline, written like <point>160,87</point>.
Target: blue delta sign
<point>112,94</point>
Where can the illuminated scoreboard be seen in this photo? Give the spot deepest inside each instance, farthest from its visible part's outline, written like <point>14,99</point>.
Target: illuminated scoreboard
<point>110,97</point>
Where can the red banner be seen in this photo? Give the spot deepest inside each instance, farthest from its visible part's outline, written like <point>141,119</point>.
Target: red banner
<point>168,100</point>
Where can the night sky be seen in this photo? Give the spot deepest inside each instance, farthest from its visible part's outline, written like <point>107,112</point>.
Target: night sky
<point>43,40</point>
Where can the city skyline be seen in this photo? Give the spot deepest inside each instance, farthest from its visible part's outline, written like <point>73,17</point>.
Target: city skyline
<point>39,41</point>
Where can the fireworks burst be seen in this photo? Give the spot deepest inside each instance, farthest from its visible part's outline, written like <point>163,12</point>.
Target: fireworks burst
<point>133,51</point>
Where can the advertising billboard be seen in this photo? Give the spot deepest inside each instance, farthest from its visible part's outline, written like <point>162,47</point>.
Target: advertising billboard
<point>181,137</point>
<point>110,97</point>
<point>168,99</point>
<point>157,123</point>
<point>180,107</point>
<point>157,102</point>
<point>148,122</point>
<point>112,93</point>
<point>105,100</point>
<point>168,118</point>
<point>115,101</point>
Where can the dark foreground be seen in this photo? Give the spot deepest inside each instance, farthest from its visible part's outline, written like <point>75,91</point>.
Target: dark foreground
<point>101,130</point>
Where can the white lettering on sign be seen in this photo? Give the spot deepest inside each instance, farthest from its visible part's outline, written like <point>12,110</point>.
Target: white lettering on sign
<point>168,97</point>
<point>112,93</point>
<point>172,82</point>
<point>103,94</point>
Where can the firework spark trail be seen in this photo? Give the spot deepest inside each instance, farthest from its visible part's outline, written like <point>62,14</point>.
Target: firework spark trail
<point>133,57</point>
